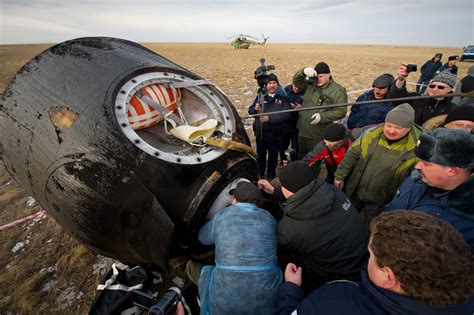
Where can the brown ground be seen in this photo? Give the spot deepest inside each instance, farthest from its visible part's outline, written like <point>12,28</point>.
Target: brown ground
<point>45,271</point>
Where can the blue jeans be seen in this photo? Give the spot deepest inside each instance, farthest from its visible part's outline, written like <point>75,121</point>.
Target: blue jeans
<point>271,148</point>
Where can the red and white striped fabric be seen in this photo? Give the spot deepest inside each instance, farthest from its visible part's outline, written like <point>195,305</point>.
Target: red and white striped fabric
<point>141,115</point>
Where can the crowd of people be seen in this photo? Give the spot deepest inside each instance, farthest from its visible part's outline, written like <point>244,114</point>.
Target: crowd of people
<point>388,230</point>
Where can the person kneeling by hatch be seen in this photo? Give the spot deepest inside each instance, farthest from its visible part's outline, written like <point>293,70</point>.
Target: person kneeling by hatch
<point>418,264</point>
<point>246,277</point>
<point>320,229</point>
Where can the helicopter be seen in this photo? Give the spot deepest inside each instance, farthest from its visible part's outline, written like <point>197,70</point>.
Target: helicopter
<point>242,41</point>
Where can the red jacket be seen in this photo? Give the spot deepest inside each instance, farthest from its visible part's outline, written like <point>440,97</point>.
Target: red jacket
<point>321,152</point>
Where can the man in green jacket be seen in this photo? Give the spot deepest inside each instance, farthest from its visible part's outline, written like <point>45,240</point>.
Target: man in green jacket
<point>324,91</point>
<point>378,161</point>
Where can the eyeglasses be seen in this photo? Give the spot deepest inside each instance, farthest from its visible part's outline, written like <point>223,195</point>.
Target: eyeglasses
<point>440,87</point>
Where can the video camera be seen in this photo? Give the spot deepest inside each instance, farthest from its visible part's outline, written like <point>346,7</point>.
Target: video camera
<point>261,73</point>
<point>311,80</point>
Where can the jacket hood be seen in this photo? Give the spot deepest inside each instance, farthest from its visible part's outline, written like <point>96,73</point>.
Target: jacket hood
<point>396,304</point>
<point>311,201</point>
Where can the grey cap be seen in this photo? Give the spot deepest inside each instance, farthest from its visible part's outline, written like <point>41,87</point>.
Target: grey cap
<point>446,77</point>
<point>403,115</point>
<point>383,81</point>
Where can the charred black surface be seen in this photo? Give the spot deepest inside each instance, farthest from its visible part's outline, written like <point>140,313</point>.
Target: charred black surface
<point>95,182</point>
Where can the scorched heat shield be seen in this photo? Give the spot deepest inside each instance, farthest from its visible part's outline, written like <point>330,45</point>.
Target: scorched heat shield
<point>87,129</point>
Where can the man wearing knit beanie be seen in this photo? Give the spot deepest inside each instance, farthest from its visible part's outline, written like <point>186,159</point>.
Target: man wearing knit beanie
<point>319,228</point>
<point>269,129</point>
<point>442,184</point>
<point>320,89</point>
<point>429,108</point>
<point>461,117</point>
<point>330,151</point>
<point>378,161</point>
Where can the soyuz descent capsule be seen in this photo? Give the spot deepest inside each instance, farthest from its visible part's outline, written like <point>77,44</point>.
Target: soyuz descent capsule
<point>87,130</point>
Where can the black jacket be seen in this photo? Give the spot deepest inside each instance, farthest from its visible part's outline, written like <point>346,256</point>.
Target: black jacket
<point>273,129</point>
<point>424,108</point>
<point>323,233</point>
<point>429,69</point>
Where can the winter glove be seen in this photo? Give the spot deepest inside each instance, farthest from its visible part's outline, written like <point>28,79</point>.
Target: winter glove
<point>316,118</point>
<point>310,72</point>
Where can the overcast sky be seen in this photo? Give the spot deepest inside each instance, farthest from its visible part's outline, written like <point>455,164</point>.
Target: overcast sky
<point>409,22</point>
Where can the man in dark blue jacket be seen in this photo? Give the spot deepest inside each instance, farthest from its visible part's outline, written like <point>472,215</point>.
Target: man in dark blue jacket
<point>269,128</point>
<point>442,184</point>
<point>372,114</point>
<point>428,71</point>
<point>418,264</point>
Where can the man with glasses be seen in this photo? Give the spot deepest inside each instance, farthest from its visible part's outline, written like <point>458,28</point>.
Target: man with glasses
<point>426,109</point>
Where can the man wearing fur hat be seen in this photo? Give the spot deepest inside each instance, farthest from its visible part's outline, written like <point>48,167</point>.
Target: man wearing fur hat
<point>426,109</point>
<point>324,91</point>
<point>320,230</point>
<point>442,184</point>
<point>372,114</point>
<point>378,161</point>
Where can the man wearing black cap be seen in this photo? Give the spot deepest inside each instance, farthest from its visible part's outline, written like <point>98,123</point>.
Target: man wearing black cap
<point>429,108</point>
<point>428,71</point>
<point>331,150</point>
<point>374,113</point>
<point>269,129</point>
<point>324,91</point>
<point>378,161</point>
<point>246,276</point>
<point>442,184</point>
<point>320,230</point>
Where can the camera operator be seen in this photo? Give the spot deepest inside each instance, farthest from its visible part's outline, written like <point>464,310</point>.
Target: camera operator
<point>321,89</point>
<point>426,110</point>
<point>269,128</point>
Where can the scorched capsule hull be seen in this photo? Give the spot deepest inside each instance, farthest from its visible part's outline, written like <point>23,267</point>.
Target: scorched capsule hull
<point>137,195</point>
